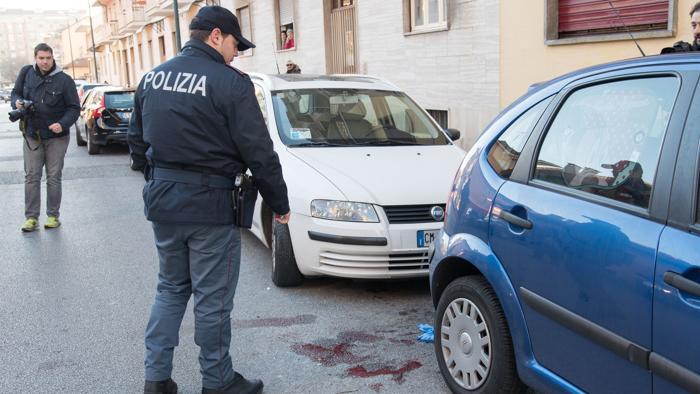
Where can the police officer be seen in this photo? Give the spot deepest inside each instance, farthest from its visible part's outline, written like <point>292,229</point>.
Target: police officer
<point>196,125</point>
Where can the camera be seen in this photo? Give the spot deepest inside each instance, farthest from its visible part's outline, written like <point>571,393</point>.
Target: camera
<point>26,111</point>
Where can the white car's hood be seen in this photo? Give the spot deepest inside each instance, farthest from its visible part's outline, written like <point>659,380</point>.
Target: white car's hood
<point>387,175</point>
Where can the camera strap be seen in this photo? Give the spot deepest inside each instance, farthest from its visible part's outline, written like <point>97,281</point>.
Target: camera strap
<point>26,141</point>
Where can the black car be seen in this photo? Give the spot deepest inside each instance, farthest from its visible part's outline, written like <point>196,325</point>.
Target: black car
<point>104,117</point>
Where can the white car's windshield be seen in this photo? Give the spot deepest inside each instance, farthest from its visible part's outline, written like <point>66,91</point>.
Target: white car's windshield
<point>351,117</point>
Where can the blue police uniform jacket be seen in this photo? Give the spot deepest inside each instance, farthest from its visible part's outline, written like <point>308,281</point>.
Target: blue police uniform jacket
<point>196,113</point>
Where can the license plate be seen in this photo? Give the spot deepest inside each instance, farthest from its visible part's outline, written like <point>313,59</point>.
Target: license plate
<point>425,238</point>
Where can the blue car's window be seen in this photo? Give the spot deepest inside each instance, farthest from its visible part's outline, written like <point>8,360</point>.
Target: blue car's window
<point>505,152</point>
<point>606,139</point>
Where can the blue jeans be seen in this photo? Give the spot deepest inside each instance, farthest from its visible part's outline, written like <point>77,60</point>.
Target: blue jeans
<point>199,260</point>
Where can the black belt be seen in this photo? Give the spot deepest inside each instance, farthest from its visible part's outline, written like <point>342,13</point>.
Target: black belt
<point>191,177</point>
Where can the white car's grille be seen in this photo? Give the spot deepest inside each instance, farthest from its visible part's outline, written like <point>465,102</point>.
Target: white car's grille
<point>411,213</point>
<point>396,261</point>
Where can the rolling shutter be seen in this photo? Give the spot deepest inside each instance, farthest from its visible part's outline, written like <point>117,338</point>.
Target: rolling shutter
<point>286,12</point>
<point>578,17</point>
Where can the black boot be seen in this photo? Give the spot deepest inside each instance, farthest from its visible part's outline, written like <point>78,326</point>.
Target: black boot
<point>239,385</point>
<point>163,387</point>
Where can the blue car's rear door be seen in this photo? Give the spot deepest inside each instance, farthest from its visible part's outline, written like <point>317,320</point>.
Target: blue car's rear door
<point>675,361</point>
<point>577,229</point>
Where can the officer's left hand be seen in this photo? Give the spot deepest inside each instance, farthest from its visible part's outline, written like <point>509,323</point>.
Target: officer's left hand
<point>55,128</point>
<point>282,219</point>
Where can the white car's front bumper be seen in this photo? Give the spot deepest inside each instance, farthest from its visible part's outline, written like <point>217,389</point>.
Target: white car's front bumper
<point>359,250</point>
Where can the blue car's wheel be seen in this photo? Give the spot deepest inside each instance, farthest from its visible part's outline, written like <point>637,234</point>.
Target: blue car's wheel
<point>472,341</point>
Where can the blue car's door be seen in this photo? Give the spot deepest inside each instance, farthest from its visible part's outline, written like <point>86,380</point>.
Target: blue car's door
<point>576,229</point>
<point>675,360</point>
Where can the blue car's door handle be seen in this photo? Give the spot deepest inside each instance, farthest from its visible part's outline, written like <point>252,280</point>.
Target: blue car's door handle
<point>682,283</point>
<point>514,220</point>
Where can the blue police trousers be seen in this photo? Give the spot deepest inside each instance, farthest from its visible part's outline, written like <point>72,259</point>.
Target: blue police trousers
<point>199,260</point>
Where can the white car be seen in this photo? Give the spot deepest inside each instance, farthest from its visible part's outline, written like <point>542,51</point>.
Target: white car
<point>368,172</point>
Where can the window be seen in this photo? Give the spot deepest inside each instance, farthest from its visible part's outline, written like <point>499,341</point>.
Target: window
<point>243,14</point>
<point>440,117</point>
<point>140,56</point>
<point>505,152</point>
<point>161,47</point>
<point>150,53</point>
<point>571,21</point>
<point>427,15</point>
<point>119,99</point>
<point>350,117</point>
<point>342,3</point>
<point>285,23</point>
<point>606,139</point>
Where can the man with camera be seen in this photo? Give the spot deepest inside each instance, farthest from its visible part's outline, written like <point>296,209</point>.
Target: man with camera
<point>682,46</point>
<point>195,129</point>
<point>45,101</point>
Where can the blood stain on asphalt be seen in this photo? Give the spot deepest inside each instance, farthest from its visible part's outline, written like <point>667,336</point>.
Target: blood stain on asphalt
<point>328,356</point>
<point>398,374</point>
<point>275,321</point>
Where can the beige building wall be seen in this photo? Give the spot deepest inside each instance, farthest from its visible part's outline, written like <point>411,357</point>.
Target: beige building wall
<point>526,59</point>
<point>75,40</point>
<point>454,70</point>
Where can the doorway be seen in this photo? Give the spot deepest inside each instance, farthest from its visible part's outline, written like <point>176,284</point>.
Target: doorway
<point>341,37</point>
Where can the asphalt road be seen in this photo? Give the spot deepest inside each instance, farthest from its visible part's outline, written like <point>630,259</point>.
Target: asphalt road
<point>74,301</point>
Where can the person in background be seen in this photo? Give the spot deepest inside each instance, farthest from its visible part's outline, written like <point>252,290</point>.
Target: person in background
<point>293,68</point>
<point>289,44</point>
<point>46,129</point>
<point>283,39</point>
<point>694,45</point>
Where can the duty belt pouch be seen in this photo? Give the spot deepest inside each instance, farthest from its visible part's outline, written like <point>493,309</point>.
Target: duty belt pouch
<point>244,195</point>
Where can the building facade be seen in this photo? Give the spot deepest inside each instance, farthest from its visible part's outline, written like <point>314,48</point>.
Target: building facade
<point>444,53</point>
<point>134,36</point>
<point>21,30</point>
<point>542,39</point>
<point>77,49</point>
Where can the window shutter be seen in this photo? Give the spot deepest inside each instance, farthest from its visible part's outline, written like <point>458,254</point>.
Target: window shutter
<point>584,16</point>
<point>244,19</point>
<point>286,12</point>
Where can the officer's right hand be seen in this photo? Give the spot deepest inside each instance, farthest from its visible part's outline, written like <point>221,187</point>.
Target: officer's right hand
<point>19,104</point>
<point>282,219</point>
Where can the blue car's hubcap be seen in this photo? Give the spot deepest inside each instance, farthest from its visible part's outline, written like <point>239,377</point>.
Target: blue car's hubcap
<point>466,344</point>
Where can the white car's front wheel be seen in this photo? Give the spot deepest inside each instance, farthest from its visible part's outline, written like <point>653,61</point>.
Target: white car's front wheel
<point>285,272</point>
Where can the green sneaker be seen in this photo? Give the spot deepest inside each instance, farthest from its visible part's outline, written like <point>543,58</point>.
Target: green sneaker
<point>52,222</point>
<point>30,225</point>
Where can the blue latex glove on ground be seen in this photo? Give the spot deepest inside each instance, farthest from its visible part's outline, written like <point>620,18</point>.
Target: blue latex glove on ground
<point>428,335</point>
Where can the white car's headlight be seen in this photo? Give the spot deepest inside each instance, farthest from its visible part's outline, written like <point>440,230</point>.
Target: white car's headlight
<point>344,210</point>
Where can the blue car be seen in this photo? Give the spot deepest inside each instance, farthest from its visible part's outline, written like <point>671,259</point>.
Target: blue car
<point>570,255</point>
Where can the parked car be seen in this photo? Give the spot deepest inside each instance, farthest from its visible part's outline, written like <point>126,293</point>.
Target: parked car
<point>6,95</point>
<point>84,88</point>
<point>569,257</point>
<point>104,117</point>
<point>367,170</point>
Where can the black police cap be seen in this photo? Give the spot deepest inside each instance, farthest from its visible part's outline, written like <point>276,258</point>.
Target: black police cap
<point>212,16</point>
